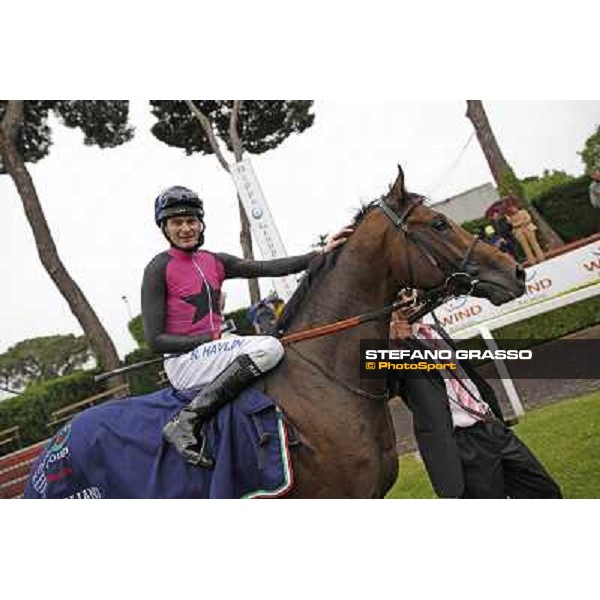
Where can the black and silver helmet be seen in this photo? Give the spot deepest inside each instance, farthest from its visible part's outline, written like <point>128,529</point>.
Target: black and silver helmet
<point>177,201</point>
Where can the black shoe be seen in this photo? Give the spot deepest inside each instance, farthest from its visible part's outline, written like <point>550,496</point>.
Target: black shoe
<point>184,433</point>
<point>181,431</point>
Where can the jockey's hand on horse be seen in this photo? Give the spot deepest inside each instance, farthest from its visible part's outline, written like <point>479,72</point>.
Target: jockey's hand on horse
<point>337,239</point>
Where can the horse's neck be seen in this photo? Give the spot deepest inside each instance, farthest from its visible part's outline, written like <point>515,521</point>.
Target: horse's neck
<point>359,283</point>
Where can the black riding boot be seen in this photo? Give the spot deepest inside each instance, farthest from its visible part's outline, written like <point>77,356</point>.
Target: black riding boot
<point>183,431</point>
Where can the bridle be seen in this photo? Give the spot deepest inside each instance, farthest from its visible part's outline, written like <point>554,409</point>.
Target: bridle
<point>459,282</point>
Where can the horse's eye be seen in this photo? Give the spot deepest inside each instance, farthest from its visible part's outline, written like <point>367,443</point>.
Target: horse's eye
<point>440,224</point>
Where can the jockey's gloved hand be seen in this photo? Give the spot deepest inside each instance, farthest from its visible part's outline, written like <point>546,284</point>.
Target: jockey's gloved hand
<point>337,239</point>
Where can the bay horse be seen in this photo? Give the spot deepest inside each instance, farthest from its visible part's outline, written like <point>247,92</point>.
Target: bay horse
<point>348,447</point>
<point>345,444</point>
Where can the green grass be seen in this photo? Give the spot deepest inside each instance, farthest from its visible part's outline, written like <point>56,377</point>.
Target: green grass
<point>564,436</point>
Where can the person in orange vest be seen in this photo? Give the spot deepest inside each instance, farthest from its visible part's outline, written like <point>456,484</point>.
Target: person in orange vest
<point>524,230</point>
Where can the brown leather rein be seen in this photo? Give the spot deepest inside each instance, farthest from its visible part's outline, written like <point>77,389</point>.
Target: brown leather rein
<point>427,302</point>
<point>314,332</point>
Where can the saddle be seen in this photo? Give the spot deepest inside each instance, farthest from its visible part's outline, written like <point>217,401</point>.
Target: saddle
<point>117,451</point>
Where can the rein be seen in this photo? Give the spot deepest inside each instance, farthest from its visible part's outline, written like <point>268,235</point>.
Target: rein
<point>329,328</point>
<point>428,304</point>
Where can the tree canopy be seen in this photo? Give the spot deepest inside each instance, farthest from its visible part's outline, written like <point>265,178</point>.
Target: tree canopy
<point>136,328</point>
<point>41,358</point>
<point>535,186</point>
<point>103,123</point>
<point>262,124</point>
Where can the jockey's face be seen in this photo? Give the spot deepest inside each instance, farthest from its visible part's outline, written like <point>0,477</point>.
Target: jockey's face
<point>184,232</point>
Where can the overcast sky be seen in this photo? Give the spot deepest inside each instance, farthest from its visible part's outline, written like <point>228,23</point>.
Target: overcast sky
<point>99,203</point>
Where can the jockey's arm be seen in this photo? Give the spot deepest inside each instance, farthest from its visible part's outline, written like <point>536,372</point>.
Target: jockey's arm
<point>154,310</point>
<point>237,267</point>
<point>278,267</point>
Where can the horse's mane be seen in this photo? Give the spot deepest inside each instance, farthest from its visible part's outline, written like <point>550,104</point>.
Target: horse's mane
<point>316,271</point>
<point>363,211</point>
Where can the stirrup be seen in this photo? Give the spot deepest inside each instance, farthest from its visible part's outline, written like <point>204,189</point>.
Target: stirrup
<point>201,458</point>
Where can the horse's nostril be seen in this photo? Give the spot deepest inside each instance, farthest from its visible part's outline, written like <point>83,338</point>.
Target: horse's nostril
<point>520,272</point>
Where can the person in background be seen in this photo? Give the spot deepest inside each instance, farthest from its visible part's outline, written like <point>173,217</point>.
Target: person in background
<point>263,316</point>
<point>490,236</point>
<point>505,231</point>
<point>276,303</point>
<point>595,188</point>
<point>524,230</point>
<point>467,449</point>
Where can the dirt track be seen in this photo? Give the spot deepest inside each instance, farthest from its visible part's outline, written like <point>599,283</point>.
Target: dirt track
<point>533,392</point>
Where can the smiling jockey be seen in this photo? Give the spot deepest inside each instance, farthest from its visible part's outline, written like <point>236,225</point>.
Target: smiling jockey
<point>181,312</point>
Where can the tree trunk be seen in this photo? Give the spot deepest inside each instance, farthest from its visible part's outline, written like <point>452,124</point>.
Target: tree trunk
<point>487,141</point>
<point>499,167</point>
<point>553,240</point>
<point>80,307</point>
<point>245,235</point>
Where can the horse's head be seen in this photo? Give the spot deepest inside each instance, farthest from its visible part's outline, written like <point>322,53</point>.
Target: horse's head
<point>427,250</point>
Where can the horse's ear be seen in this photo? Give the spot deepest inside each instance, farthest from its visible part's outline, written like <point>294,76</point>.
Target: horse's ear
<point>398,189</point>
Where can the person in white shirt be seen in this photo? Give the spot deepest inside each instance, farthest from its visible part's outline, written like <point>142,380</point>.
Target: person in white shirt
<point>466,447</point>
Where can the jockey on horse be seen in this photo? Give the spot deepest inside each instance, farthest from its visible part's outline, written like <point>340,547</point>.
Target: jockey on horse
<point>182,317</point>
<point>343,447</point>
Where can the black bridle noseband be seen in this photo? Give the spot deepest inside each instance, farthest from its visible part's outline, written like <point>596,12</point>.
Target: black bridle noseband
<point>459,282</point>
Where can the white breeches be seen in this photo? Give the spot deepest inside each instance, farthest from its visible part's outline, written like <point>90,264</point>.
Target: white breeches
<point>200,366</point>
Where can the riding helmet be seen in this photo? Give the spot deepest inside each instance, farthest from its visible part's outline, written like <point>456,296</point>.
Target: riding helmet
<point>177,201</point>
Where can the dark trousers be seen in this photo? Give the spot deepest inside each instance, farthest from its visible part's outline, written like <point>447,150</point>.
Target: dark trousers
<point>497,464</point>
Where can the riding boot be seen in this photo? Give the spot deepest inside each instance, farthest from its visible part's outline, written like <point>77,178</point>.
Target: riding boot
<point>184,430</point>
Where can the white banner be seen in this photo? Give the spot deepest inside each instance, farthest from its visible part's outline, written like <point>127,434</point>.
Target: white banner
<point>261,223</point>
<point>574,269</point>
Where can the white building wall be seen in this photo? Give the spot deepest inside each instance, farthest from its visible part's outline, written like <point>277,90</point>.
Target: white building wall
<point>469,205</point>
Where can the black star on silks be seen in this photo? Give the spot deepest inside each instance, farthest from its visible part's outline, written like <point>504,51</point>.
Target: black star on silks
<point>201,302</point>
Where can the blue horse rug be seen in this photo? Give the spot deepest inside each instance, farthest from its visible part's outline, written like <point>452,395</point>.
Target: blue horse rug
<point>116,450</point>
